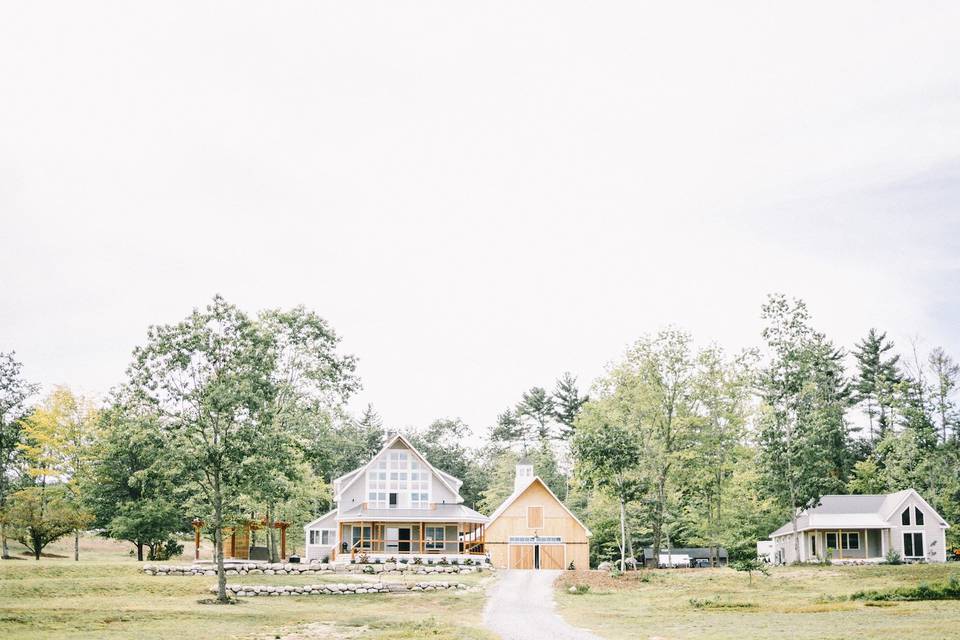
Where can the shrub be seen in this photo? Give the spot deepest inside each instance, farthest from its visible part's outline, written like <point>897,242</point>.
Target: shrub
<point>616,573</point>
<point>325,559</point>
<point>949,590</point>
<point>443,561</point>
<point>418,560</point>
<point>750,566</point>
<point>363,558</point>
<point>468,561</point>
<point>392,559</point>
<point>368,568</point>
<point>893,557</point>
<point>166,550</point>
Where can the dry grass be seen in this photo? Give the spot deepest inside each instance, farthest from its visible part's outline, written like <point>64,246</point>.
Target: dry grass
<point>105,596</point>
<point>793,602</point>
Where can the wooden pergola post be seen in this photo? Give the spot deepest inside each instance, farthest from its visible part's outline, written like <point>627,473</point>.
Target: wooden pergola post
<point>233,542</point>
<point>283,537</point>
<point>197,525</point>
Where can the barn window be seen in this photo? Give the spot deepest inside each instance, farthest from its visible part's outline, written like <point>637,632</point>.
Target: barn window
<point>917,516</point>
<point>534,517</point>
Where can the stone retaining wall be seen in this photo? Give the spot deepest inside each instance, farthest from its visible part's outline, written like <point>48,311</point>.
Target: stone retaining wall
<point>336,589</point>
<point>314,568</point>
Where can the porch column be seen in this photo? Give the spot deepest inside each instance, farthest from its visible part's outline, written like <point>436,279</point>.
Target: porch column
<point>840,543</point>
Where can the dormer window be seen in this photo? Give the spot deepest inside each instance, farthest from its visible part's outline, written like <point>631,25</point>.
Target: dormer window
<point>905,517</point>
<point>917,516</point>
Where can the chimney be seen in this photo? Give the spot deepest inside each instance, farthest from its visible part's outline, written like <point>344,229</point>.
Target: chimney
<point>523,477</point>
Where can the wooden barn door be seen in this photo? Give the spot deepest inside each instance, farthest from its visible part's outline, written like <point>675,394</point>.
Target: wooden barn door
<point>521,556</point>
<point>551,556</point>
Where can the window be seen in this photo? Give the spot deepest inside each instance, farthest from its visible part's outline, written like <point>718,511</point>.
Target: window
<point>534,517</point>
<point>366,536</point>
<point>831,541</point>
<point>918,516</point>
<point>434,538</point>
<point>813,544</point>
<point>393,501</point>
<point>377,500</point>
<point>419,500</point>
<point>913,545</point>
<point>905,517</point>
<point>327,537</point>
<point>314,536</point>
<point>850,540</point>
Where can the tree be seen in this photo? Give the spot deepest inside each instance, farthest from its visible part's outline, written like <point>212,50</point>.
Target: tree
<point>308,379</point>
<point>867,478</point>
<point>537,407</point>
<point>876,378</point>
<point>946,379</point>
<point>802,410</point>
<point>58,439</point>
<point>567,403</point>
<point>43,514</point>
<point>14,393</point>
<point>608,457</point>
<point>209,380</point>
<point>442,443</point>
<point>132,489</point>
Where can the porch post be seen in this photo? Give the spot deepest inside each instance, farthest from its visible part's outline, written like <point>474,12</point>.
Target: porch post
<point>423,534</point>
<point>883,543</point>
<point>840,542</point>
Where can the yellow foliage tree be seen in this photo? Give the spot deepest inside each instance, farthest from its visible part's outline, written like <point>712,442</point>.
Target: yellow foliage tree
<point>58,443</point>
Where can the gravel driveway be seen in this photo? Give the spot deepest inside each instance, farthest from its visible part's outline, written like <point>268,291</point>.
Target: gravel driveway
<point>520,606</point>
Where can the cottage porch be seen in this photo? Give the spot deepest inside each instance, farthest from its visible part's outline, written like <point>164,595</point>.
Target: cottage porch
<point>847,545</point>
<point>383,540</point>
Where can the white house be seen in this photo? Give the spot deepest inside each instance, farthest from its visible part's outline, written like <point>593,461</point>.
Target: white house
<point>863,529</point>
<point>397,505</point>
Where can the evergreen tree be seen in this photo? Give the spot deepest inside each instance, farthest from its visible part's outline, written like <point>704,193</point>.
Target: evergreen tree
<point>877,377</point>
<point>946,379</point>
<point>537,407</point>
<point>567,403</point>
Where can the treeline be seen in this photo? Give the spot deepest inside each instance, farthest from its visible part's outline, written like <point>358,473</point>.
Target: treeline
<point>226,416</point>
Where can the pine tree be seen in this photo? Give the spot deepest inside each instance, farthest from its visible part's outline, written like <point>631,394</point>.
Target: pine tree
<point>876,381</point>
<point>567,403</point>
<point>946,379</point>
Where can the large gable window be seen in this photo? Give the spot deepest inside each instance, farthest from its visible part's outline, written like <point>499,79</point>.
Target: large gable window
<point>905,517</point>
<point>917,516</point>
<point>398,480</point>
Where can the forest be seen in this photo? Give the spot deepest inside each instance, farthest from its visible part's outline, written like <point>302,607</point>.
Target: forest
<point>225,415</point>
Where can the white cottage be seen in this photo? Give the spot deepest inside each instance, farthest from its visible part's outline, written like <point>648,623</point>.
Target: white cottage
<point>397,505</point>
<point>859,528</point>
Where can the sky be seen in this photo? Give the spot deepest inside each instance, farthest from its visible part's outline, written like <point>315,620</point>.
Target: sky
<point>477,196</point>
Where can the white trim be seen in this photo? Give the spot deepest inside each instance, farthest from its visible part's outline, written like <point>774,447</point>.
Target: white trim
<point>911,493</point>
<point>516,494</point>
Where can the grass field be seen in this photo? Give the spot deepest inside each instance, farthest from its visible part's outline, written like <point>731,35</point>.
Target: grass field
<point>105,596</point>
<point>793,602</point>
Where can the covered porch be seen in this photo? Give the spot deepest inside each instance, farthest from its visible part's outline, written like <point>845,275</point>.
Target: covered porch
<point>848,545</point>
<point>379,540</point>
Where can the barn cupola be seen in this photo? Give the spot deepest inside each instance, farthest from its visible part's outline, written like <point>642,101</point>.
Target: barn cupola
<point>524,475</point>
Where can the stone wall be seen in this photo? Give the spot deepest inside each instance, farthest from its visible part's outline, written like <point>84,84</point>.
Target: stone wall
<point>336,589</point>
<point>314,568</point>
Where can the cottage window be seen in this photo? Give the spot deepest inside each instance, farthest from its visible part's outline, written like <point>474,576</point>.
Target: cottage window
<point>913,545</point>
<point>831,541</point>
<point>434,538</point>
<point>905,517</point>
<point>918,516</point>
<point>850,540</point>
<point>314,536</point>
<point>326,536</point>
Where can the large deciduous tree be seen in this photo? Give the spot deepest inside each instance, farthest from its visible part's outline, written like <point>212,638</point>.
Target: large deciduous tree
<point>801,430</point>
<point>209,379</point>
<point>15,391</point>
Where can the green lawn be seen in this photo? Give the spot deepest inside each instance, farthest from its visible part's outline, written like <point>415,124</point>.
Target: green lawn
<point>105,596</point>
<point>793,602</point>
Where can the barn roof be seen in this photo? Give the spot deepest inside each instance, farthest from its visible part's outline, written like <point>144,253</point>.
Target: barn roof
<point>516,494</point>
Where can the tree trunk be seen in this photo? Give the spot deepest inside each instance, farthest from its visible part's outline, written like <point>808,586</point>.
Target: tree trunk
<point>796,537</point>
<point>218,539</point>
<point>76,546</point>
<point>658,517</point>
<point>271,536</point>
<point>623,534</point>
<point>140,552</point>
<point>5,553</point>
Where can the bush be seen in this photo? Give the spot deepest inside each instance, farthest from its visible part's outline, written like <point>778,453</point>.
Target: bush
<point>949,590</point>
<point>579,590</point>
<point>325,559</point>
<point>166,550</point>
<point>468,561</point>
<point>368,568</point>
<point>893,557</point>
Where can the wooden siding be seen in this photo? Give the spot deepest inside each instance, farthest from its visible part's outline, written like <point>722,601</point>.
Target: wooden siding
<point>556,522</point>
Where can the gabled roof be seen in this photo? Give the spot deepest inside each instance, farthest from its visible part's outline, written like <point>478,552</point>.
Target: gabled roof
<point>516,494</point>
<point>320,519</point>
<point>345,481</point>
<point>855,511</point>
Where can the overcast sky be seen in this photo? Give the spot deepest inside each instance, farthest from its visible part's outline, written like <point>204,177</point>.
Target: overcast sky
<point>478,196</point>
